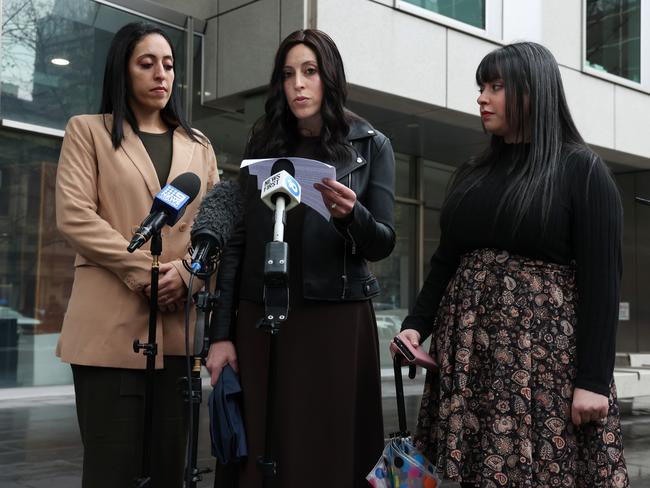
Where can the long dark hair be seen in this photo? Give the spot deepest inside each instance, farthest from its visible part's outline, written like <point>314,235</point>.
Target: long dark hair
<point>116,88</point>
<point>276,132</point>
<point>536,109</point>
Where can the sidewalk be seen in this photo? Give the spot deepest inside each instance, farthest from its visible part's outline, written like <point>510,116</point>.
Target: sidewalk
<point>40,446</point>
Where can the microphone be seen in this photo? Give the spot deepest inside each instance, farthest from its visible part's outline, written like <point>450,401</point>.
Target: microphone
<point>220,210</point>
<point>281,183</point>
<point>168,207</point>
<point>280,192</point>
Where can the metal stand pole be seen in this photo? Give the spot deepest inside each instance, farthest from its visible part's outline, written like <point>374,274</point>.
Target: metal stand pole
<point>276,311</point>
<point>150,350</point>
<point>205,304</point>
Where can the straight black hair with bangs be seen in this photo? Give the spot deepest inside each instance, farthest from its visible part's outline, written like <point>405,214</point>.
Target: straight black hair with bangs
<point>116,87</point>
<point>536,109</point>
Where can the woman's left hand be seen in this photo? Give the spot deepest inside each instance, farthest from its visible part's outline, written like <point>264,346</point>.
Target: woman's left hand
<point>588,406</point>
<point>338,198</point>
<point>171,287</point>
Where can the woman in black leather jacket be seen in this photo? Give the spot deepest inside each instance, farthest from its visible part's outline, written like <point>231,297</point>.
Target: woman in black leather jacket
<point>328,427</point>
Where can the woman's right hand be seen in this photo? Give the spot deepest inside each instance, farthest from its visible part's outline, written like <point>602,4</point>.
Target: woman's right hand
<point>407,335</point>
<point>220,354</point>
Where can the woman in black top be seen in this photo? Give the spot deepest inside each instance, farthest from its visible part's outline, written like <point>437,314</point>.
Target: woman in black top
<point>522,296</point>
<point>328,431</point>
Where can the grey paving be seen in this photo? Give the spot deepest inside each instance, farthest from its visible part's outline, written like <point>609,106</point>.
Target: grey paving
<point>40,445</point>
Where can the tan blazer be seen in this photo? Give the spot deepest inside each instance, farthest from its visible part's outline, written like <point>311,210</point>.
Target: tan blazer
<point>102,196</point>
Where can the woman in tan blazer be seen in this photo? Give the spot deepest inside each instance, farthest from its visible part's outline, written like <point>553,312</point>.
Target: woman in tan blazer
<point>111,167</point>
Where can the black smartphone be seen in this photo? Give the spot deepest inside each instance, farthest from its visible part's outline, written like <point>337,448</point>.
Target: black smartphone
<point>403,349</point>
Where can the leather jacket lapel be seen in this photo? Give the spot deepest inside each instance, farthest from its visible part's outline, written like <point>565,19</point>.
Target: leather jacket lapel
<point>355,162</point>
<point>360,131</point>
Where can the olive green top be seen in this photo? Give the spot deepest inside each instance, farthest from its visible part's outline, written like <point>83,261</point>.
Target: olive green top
<point>159,147</point>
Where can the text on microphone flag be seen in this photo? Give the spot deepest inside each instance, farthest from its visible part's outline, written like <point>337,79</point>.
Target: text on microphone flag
<point>271,182</point>
<point>173,197</point>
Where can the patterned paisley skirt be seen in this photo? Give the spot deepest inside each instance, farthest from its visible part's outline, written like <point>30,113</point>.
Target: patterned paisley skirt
<point>498,412</point>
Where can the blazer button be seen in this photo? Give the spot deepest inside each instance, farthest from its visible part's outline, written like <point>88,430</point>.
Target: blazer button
<point>359,160</point>
<point>371,132</point>
<point>183,226</point>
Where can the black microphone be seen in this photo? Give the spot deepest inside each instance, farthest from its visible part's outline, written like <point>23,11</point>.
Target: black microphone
<point>283,164</point>
<point>168,207</point>
<point>220,210</point>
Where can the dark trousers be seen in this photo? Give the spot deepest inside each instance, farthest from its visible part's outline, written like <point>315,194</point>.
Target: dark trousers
<point>110,409</point>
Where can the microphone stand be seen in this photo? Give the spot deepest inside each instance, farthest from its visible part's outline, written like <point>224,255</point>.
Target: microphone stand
<point>150,350</point>
<point>276,310</point>
<point>205,304</point>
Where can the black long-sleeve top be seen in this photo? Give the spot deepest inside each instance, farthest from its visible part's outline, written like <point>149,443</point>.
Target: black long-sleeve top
<point>584,227</point>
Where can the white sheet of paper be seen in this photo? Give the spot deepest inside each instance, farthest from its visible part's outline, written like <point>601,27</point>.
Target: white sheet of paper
<point>308,172</point>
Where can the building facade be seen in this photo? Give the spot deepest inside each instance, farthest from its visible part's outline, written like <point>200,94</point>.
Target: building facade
<point>410,65</point>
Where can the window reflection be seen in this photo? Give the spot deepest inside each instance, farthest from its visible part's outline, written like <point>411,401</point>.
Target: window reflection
<point>470,12</point>
<point>76,34</point>
<point>227,131</point>
<point>614,37</point>
<point>36,264</point>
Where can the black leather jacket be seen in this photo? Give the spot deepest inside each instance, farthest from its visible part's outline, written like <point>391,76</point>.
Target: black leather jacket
<point>334,253</point>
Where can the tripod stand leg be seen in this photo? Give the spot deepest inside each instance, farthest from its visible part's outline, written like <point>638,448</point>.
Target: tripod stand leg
<point>195,396</point>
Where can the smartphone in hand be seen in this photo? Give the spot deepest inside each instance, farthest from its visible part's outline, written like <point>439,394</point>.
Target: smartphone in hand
<point>414,355</point>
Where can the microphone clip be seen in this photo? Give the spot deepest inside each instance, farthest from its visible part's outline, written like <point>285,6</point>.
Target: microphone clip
<point>203,272</point>
<point>276,286</point>
<point>206,303</point>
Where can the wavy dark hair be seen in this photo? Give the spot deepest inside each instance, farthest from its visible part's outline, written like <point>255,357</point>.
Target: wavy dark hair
<point>537,110</point>
<point>276,132</point>
<point>116,88</point>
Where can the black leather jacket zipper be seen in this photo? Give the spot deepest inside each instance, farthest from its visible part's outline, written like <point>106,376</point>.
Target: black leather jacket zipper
<point>344,276</point>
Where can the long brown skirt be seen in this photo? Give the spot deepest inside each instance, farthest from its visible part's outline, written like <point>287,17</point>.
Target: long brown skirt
<point>498,412</point>
<point>329,429</point>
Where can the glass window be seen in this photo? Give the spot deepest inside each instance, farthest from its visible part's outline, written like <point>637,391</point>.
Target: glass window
<point>395,277</point>
<point>436,179</point>
<point>53,54</point>
<point>405,182</point>
<point>36,263</point>
<point>471,12</point>
<point>227,131</point>
<point>614,37</point>
<point>431,236</point>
